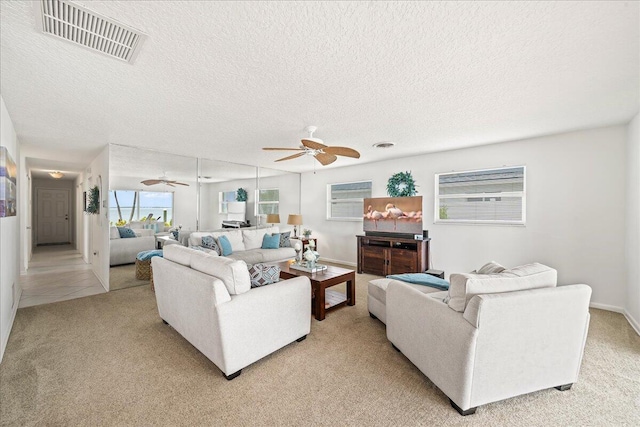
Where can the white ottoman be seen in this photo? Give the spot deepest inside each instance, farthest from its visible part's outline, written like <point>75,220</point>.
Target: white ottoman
<point>377,297</point>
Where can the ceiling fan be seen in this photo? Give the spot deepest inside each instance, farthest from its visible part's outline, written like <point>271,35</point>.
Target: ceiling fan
<point>314,147</point>
<point>164,179</point>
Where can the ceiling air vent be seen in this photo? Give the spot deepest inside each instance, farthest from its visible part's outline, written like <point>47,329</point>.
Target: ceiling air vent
<point>79,25</point>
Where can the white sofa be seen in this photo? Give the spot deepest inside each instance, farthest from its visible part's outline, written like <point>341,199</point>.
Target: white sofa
<point>209,301</point>
<point>247,244</point>
<point>491,337</point>
<point>124,251</point>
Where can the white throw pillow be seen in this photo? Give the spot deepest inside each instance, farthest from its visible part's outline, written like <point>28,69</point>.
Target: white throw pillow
<point>114,233</point>
<point>491,268</point>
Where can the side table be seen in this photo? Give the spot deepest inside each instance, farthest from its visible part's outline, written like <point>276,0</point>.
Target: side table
<point>305,242</point>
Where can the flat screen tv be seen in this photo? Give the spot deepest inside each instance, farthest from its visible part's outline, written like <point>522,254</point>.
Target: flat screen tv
<point>401,215</point>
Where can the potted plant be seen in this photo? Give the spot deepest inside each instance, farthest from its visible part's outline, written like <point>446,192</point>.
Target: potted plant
<point>241,195</point>
<point>306,233</point>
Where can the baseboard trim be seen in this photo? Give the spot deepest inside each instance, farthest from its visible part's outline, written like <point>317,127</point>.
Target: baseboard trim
<point>339,261</point>
<point>633,322</point>
<point>607,307</point>
<point>5,342</point>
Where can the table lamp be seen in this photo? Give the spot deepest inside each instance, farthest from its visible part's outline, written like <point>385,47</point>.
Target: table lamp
<point>273,219</point>
<point>295,220</point>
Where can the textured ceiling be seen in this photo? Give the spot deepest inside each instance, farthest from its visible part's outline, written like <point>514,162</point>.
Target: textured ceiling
<point>222,79</point>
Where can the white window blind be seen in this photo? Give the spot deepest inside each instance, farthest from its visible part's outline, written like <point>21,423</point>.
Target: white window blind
<point>345,199</point>
<point>223,198</point>
<point>268,201</point>
<point>481,196</point>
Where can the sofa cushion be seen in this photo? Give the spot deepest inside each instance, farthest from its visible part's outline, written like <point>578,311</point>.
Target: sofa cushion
<point>114,233</point>
<point>531,276</point>
<point>233,273</point>
<point>225,246</point>
<point>263,274</point>
<point>234,237</point>
<point>271,241</point>
<point>491,268</point>
<point>252,239</point>
<point>178,254</point>
<point>126,233</point>
<point>210,242</point>
<point>285,239</point>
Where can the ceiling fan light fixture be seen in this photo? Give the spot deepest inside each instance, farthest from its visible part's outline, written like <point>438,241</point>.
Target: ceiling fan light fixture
<point>56,174</point>
<point>384,144</point>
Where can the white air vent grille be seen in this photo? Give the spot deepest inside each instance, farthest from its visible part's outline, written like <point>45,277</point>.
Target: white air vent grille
<point>79,25</point>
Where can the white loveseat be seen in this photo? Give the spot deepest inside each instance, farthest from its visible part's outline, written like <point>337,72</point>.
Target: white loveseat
<point>124,251</point>
<point>491,337</point>
<point>247,244</point>
<point>209,301</point>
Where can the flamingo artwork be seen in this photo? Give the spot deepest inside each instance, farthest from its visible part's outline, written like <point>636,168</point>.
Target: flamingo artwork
<point>395,213</point>
<point>373,215</point>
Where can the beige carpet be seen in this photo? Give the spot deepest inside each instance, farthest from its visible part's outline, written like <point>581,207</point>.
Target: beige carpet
<point>109,360</point>
<point>124,276</point>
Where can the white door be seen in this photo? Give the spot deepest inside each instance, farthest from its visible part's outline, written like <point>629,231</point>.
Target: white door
<point>53,216</point>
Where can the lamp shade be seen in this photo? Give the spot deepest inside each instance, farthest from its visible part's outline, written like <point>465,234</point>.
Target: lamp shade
<point>294,220</point>
<point>273,218</point>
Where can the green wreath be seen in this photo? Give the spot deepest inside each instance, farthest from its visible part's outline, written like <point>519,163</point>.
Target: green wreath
<point>241,195</point>
<point>401,185</point>
<point>93,206</point>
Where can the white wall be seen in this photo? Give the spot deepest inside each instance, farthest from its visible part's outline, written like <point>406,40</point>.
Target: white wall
<point>25,213</point>
<point>9,239</point>
<point>97,226</point>
<point>633,223</point>
<point>575,209</point>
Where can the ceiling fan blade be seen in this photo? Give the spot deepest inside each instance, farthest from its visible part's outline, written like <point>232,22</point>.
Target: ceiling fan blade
<point>342,151</point>
<point>170,184</point>
<point>313,144</point>
<point>151,181</point>
<point>293,156</point>
<point>179,183</point>
<point>325,159</point>
<point>282,149</point>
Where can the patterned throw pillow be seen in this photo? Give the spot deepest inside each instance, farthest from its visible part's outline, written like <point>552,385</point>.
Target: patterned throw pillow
<point>285,241</point>
<point>126,232</point>
<point>263,274</point>
<point>209,242</point>
<point>491,268</point>
<point>174,234</point>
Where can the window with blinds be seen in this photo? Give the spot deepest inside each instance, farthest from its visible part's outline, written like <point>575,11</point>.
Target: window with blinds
<point>268,201</point>
<point>495,196</point>
<point>344,200</point>
<point>224,197</point>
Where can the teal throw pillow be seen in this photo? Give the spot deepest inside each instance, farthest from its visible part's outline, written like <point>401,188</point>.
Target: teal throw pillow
<point>209,242</point>
<point>271,241</point>
<point>225,245</point>
<point>285,239</point>
<point>126,232</point>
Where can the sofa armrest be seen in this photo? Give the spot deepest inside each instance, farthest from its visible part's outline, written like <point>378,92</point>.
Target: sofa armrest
<point>263,320</point>
<point>435,338</point>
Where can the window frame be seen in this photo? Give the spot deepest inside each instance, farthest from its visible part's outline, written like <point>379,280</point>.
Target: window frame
<point>136,214</point>
<point>271,202</point>
<point>351,200</point>
<point>521,194</point>
<point>222,204</point>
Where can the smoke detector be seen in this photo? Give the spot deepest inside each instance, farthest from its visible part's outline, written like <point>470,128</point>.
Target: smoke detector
<point>79,25</point>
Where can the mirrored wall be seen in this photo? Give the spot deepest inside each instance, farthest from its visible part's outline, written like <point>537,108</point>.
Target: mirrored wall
<point>196,194</point>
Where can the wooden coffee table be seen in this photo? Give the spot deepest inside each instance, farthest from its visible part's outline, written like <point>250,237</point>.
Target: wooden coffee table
<point>320,281</point>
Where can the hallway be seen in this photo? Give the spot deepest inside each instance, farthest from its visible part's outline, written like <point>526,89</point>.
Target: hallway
<point>57,273</point>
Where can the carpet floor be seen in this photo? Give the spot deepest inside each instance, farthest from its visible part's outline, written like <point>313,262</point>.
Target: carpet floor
<point>109,360</point>
<point>124,276</point>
